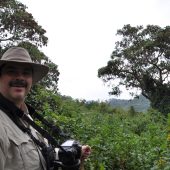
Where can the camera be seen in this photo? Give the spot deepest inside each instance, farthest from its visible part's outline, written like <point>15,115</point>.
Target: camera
<point>66,157</point>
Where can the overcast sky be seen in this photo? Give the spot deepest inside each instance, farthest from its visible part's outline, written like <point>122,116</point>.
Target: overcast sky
<point>82,37</point>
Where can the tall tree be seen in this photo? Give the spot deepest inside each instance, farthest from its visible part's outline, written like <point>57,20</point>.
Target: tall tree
<point>141,60</point>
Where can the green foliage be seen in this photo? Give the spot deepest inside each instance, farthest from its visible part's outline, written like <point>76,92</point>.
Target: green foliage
<point>119,139</point>
<point>18,25</point>
<point>141,60</point>
<point>132,111</point>
<point>103,107</point>
<point>164,161</point>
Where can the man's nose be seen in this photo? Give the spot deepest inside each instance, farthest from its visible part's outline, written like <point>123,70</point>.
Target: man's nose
<point>19,74</point>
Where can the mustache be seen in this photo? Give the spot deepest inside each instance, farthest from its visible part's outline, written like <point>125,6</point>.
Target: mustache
<point>18,83</point>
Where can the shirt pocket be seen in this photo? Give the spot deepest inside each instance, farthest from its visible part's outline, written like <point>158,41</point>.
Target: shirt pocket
<point>22,153</point>
<point>30,155</point>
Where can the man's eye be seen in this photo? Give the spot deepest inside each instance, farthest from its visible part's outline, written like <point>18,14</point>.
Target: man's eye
<point>27,73</point>
<point>11,72</point>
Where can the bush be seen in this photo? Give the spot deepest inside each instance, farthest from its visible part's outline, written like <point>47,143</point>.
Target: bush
<point>120,141</point>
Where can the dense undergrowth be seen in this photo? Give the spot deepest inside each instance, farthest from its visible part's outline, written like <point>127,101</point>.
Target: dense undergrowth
<point>120,139</point>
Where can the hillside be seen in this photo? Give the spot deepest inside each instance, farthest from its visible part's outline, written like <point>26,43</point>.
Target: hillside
<point>140,104</point>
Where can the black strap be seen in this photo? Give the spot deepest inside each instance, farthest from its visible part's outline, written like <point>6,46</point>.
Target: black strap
<point>54,130</point>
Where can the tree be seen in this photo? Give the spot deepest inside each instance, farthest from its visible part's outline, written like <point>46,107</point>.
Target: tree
<point>141,60</point>
<point>132,111</point>
<point>17,25</point>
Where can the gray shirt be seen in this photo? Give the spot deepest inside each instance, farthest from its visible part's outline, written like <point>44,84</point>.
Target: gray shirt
<point>17,150</point>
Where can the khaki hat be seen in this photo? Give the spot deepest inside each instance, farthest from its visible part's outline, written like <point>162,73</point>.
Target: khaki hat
<point>17,55</point>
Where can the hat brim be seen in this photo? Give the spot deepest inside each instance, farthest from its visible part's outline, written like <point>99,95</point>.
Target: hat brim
<point>39,70</point>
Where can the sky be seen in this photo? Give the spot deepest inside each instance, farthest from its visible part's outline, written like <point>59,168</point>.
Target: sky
<point>82,36</point>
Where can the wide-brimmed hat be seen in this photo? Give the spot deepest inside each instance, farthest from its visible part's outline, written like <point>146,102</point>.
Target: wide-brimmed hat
<point>17,55</point>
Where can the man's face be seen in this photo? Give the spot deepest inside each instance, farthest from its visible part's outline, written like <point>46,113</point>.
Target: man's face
<point>15,81</point>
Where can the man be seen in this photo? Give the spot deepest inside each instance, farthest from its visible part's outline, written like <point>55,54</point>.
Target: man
<point>18,150</point>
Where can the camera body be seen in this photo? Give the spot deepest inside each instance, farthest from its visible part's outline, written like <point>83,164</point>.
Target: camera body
<point>65,158</point>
